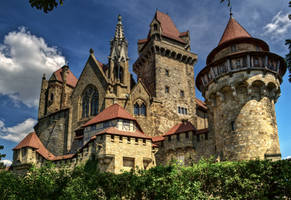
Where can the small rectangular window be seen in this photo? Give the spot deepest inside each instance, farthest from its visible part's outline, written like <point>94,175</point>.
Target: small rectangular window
<point>169,138</point>
<point>128,139</point>
<point>187,135</point>
<point>179,109</point>
<point>182,94</point>
<point>206,136</point>
<point>178,137</point>
<point>136,140</point>
<point>120,138</point>
<point>198,138</point>
<point>144,141</point>
<point>167,89</point>
<point>167,72</point>
<point>112,137</point>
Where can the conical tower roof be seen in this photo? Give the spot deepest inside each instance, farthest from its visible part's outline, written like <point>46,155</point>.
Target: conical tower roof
<point>233,30</point>
<point>119,34</point>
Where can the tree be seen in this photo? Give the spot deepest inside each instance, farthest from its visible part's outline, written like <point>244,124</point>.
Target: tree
<point>288,56</point>
<point>45,5</point>
<point>2,156</point>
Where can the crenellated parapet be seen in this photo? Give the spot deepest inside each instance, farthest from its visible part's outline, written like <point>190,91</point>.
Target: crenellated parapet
<point>171,52</point>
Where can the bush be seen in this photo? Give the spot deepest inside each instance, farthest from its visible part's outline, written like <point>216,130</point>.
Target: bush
<point>205,180</point>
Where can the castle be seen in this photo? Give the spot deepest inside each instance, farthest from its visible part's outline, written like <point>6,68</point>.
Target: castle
<point>106,115</point>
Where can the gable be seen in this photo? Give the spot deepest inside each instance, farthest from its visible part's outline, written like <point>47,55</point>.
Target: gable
<point>92,74</point>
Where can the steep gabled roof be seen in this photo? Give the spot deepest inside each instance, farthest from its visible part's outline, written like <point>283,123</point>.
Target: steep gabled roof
<point>112,112</point>
<point>115,131</point>
<point>180,128</point>
<point>168,27</point>
<point>233,30</point>
<point>71,78</point>
<point>32,140</point>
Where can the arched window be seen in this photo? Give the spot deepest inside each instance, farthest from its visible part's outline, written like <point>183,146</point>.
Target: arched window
<point>118,73</point>
<point>143,110</point>
<point>94,103</point>
<point>140,109</point>
<point>90,102</point>
<point>85,106</point>
<point>136,109</point>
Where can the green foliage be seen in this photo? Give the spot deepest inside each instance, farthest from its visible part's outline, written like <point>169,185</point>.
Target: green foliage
<point>45,5</point>
<point>2,156</point>
<point>205,180</point>
<point>288,56</point>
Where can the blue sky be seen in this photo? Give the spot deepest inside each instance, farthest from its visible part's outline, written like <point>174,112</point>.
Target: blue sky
<point>33,43</point>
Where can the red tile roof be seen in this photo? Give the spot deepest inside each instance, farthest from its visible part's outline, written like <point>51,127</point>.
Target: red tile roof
<point>233,30</point>
<point>201,103</point>
<point>112,112</point>
<point>180,128</point>
<point>201,131</point>
<point>115,131</point>
<point>32,140</point>
<point>168,27</point>
<point>158,138</point>
<point>71,79</point>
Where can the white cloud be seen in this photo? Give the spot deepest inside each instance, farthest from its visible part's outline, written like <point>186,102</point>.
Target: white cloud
<point>278,26</point>
<point>6,162</point>
<point>18,132</point>
<point>288,157</point>
<point>23,59</point>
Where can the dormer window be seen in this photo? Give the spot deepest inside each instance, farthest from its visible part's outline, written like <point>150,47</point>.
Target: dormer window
<point>155,27</point>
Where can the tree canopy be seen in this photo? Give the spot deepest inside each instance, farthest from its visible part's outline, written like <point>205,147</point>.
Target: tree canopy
<point>2,156</point>
<point>45,5</point>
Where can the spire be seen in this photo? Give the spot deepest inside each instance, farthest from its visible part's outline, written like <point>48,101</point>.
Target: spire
<point>119,35</point>
<point>118,44</point>
<point>233,30</point>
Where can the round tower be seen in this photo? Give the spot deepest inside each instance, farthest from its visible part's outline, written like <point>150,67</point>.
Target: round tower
<point>241,84</point>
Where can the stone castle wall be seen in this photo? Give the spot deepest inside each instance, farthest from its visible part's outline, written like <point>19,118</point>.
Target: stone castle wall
<point>52,131</point>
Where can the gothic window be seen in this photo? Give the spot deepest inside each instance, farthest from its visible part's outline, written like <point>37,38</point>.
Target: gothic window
<point>85,106</point>
<point>140,109</point>
<point>118,73</point>
<point>94,103</point>
<point>90,102</point>
<point>136,109</point>
<point>143,110</point>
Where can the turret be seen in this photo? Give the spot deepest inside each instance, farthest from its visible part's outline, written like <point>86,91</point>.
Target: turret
<point>241,84</point>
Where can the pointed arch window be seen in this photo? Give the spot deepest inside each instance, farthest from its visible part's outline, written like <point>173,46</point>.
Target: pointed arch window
<point>118,73</point>
<point>90,102</point>
<point>95,103</point>
<point>136,109</point>
<point>140,109</point>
